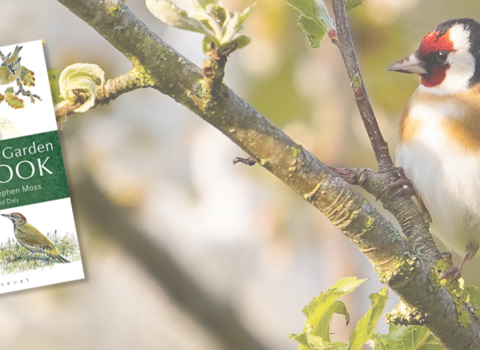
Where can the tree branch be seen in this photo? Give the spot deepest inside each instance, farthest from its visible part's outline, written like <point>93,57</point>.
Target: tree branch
<point>112,89</point>
<point>391,256</point>
<point>415,228</point>
<point>345,44</point>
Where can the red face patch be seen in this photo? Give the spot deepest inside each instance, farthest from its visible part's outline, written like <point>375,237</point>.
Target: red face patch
<point>436,77</point>
<point>433,43</point>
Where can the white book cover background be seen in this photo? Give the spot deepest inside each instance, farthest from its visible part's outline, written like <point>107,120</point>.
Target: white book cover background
<point>37,117</point>
<point>18,268</point>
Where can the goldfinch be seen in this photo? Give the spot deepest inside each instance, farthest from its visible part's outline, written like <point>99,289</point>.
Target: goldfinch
<point>32,239</point>
<point>10,68</point>
<point>439,136</point>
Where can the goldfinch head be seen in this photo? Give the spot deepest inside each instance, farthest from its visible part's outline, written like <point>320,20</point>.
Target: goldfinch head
<point>447,58</point>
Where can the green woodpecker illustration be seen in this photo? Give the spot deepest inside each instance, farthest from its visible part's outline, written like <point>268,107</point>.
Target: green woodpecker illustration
<point>10,68</point>
<point>32,239</point>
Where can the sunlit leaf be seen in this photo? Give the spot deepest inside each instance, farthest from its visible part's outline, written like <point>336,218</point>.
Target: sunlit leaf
<point>316,333</point>
<point>242,41</point>
<point>209,17</point>
<point>77,85</point>
<point>364,328</point>
<point>352,4</point>
<point>406,337</point>
<point>312,30</point>
<point>314,19</point>
<point>172,15</point>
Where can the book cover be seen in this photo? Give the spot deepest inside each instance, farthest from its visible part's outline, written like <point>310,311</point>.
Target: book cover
<point>38,240</point>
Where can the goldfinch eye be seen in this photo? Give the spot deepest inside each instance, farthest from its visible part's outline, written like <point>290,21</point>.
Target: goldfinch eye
<point>441,56</point>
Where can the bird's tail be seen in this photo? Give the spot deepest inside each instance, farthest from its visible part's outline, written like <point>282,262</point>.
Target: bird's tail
<point>17,50</point>
<point>58,258</point>
<point>5,60</point>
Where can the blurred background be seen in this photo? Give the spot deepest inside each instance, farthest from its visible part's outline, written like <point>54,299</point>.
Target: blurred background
<point>183,250</point>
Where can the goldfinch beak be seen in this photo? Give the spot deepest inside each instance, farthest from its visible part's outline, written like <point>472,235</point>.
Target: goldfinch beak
<point>412,65</point>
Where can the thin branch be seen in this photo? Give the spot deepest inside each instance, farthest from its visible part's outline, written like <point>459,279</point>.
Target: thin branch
<point>391,256</point>
<point>111,90</point>
<point>345,44</point>
<point>115,87</point>
<point>415,228</point>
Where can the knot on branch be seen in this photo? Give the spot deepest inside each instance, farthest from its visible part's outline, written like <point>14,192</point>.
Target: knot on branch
<point>213,69</point>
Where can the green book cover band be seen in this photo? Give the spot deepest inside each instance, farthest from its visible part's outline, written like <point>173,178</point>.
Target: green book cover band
<point>32,170</point>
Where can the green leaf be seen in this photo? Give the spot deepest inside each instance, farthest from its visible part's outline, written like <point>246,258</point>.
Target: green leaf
<point>312,30</point>
<point>234,25</point>
<point>204,3</point>
<point>352,4</point>
<point>364,329</point>
<point>53,76</point>
<point>314,19</point>
<point>174,16</point>
<point>320,310</point>
<point>407,337</point>
<point>380,342</point>
<point>77,85</point>
<point>471,295</point>
<point>242,41</point>
<point>319,313</point>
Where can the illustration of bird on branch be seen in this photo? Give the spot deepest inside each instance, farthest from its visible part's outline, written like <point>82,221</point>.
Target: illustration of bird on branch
<point>11,71</point>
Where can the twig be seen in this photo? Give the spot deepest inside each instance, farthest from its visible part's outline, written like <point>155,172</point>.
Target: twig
<point>24,92</point>
<point>248,161</point>
<point>406,212</point>
<point>345,44</point>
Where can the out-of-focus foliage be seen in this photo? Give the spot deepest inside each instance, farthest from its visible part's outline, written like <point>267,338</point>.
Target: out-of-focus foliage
<point>53,76</point>
<point>220,26</point>
<point>314,19</point>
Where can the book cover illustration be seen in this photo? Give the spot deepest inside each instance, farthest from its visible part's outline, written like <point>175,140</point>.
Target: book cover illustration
<point>38,240</point>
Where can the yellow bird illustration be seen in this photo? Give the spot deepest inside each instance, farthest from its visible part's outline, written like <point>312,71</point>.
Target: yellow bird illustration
<point>32,239</point>
<point>10,68</point>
